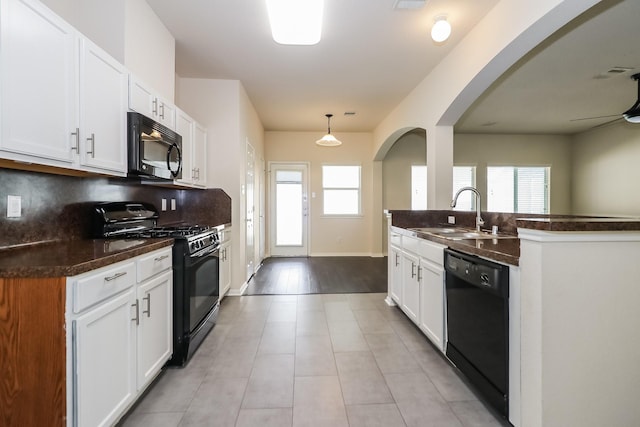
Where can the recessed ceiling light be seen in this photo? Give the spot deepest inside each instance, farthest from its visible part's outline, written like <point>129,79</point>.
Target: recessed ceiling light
<point>296,22</point>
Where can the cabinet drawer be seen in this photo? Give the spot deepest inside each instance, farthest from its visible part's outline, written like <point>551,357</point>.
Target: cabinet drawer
<point>410,244</point>
<point>432,251</point>
<point>396,239</point>
<point>98,285</point>
<point>154,263</point>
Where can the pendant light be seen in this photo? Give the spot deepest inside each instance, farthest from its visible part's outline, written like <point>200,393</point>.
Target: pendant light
<point>328,140</point>
<point>632,115</point>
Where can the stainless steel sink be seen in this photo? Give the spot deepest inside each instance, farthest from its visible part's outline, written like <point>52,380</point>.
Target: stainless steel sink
<point>461,233</point>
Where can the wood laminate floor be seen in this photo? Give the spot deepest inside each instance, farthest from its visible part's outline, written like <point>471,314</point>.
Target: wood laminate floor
<point>319,275</point>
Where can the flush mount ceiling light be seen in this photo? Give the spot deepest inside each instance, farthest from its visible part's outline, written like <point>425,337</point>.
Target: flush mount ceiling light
<point>328,140</point>
<point>632,115</point>
<point>441,29</point>
<point>295,22</point>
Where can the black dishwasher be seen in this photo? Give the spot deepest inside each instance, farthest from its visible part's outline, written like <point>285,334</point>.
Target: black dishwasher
<point>478,324</point>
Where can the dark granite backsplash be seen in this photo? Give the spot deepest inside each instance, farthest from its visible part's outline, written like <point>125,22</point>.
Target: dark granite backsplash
<point>56,207</point>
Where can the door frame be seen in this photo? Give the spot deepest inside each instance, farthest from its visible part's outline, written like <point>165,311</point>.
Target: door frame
<point>306,226</point>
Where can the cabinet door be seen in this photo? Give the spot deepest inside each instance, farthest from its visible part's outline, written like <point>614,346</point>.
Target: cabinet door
<point>432,302</point>
<point>200,156</point>
<point>142,98</point>
<point>38,76</point>
<point>105,353</point>
<point>185,128</point>
<point>395,274</point>
<point>225,268</point>
<point>103,102</point>
<point>155,332</point>
<point>166,113</point>
<point>410,287</point>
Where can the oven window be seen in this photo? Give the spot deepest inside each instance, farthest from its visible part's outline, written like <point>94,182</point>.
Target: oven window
<point>203,282</point>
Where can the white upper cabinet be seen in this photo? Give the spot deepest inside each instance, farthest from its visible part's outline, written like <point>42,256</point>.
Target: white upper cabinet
<point>103,103</point>
<point>200,155</point>
<point>145,100</point>
<point>38,74</point>
<point>194,150</point>
<point>63,100</point>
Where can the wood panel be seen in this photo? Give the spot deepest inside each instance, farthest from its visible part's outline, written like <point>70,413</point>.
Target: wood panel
<point>32,352</point>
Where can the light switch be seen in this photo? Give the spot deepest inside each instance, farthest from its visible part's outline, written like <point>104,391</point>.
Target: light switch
<point>14,206</point>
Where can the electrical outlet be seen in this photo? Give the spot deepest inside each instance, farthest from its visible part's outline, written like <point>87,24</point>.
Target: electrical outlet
<point>173,204</point>
<point>451,219</point>
<point>164,205</point>
<point>14,206</point>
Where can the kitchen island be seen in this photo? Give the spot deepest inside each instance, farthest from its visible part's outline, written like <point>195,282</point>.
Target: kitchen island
<point>578,314</point>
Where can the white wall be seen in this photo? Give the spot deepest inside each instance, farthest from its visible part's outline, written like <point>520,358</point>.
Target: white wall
<point>100,21</point>
<point>409,150</point>
<point>606,172</point>
<point>149,49</point>
<point>484,150</point>
<point>223,107</point>
<point>331,236</point>
<point>457,81</point>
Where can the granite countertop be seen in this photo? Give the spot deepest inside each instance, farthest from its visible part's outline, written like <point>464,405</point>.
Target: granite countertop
<point>506,251</point>
<point>579,223</point>
<point>72,257</point>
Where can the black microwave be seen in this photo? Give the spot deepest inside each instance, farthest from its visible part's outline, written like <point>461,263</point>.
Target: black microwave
<point>155,151</point>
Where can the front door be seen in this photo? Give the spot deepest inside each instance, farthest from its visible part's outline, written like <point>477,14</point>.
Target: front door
<point>289,206</point>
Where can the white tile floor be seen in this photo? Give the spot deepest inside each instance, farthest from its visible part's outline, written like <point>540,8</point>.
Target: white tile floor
<point>312,360</point>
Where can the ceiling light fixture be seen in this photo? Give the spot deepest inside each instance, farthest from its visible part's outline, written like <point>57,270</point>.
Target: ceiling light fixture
<point>328,140</point>
<point>632,115</point>
<point>295,22</point>
<point>441,29</point>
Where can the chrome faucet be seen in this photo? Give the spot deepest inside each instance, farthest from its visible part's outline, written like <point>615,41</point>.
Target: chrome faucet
<point>479,220</point>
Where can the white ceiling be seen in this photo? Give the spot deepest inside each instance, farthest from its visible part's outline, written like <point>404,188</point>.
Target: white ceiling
<point>371,56</point>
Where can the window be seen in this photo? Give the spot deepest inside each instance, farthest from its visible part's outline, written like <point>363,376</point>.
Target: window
<point>341,190</point>
<point>518,189</point>
<point>464,176</point>
<point>418,187</point>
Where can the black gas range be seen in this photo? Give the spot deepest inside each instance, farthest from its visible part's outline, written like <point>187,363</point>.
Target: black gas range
<point>196,262</point>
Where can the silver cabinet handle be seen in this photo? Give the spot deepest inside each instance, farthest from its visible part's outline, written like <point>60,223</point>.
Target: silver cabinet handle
<point>419,273</point>
<point>115,276</point>
<point>148,310</point>
<point>92,140</point>
<point>193,174</point>
<point>413,270</point>
<point>162,111</point>
<point>137,318</point>
<point>155,106</point>
<point>160,258</point>
<point>397,257</point>
<point>77,135</point>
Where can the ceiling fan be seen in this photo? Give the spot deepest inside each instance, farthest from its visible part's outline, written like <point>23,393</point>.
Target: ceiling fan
<point>632,115</point>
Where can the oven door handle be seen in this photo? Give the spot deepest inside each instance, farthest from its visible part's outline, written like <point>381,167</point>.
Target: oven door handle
<point>204,252</point>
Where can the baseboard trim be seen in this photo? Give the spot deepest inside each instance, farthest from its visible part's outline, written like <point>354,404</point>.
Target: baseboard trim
<point>233,292</point>
<point>390,302</point>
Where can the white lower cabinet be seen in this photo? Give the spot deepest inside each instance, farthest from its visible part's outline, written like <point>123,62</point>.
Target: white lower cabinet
<point>416,282</point>
<point>121,335</point>
<point>225,261</point>
<point>432,301</point>
<point>155,333</point>
<point>395,274</point>
<point>410,286</point>
<point>105,361</point>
